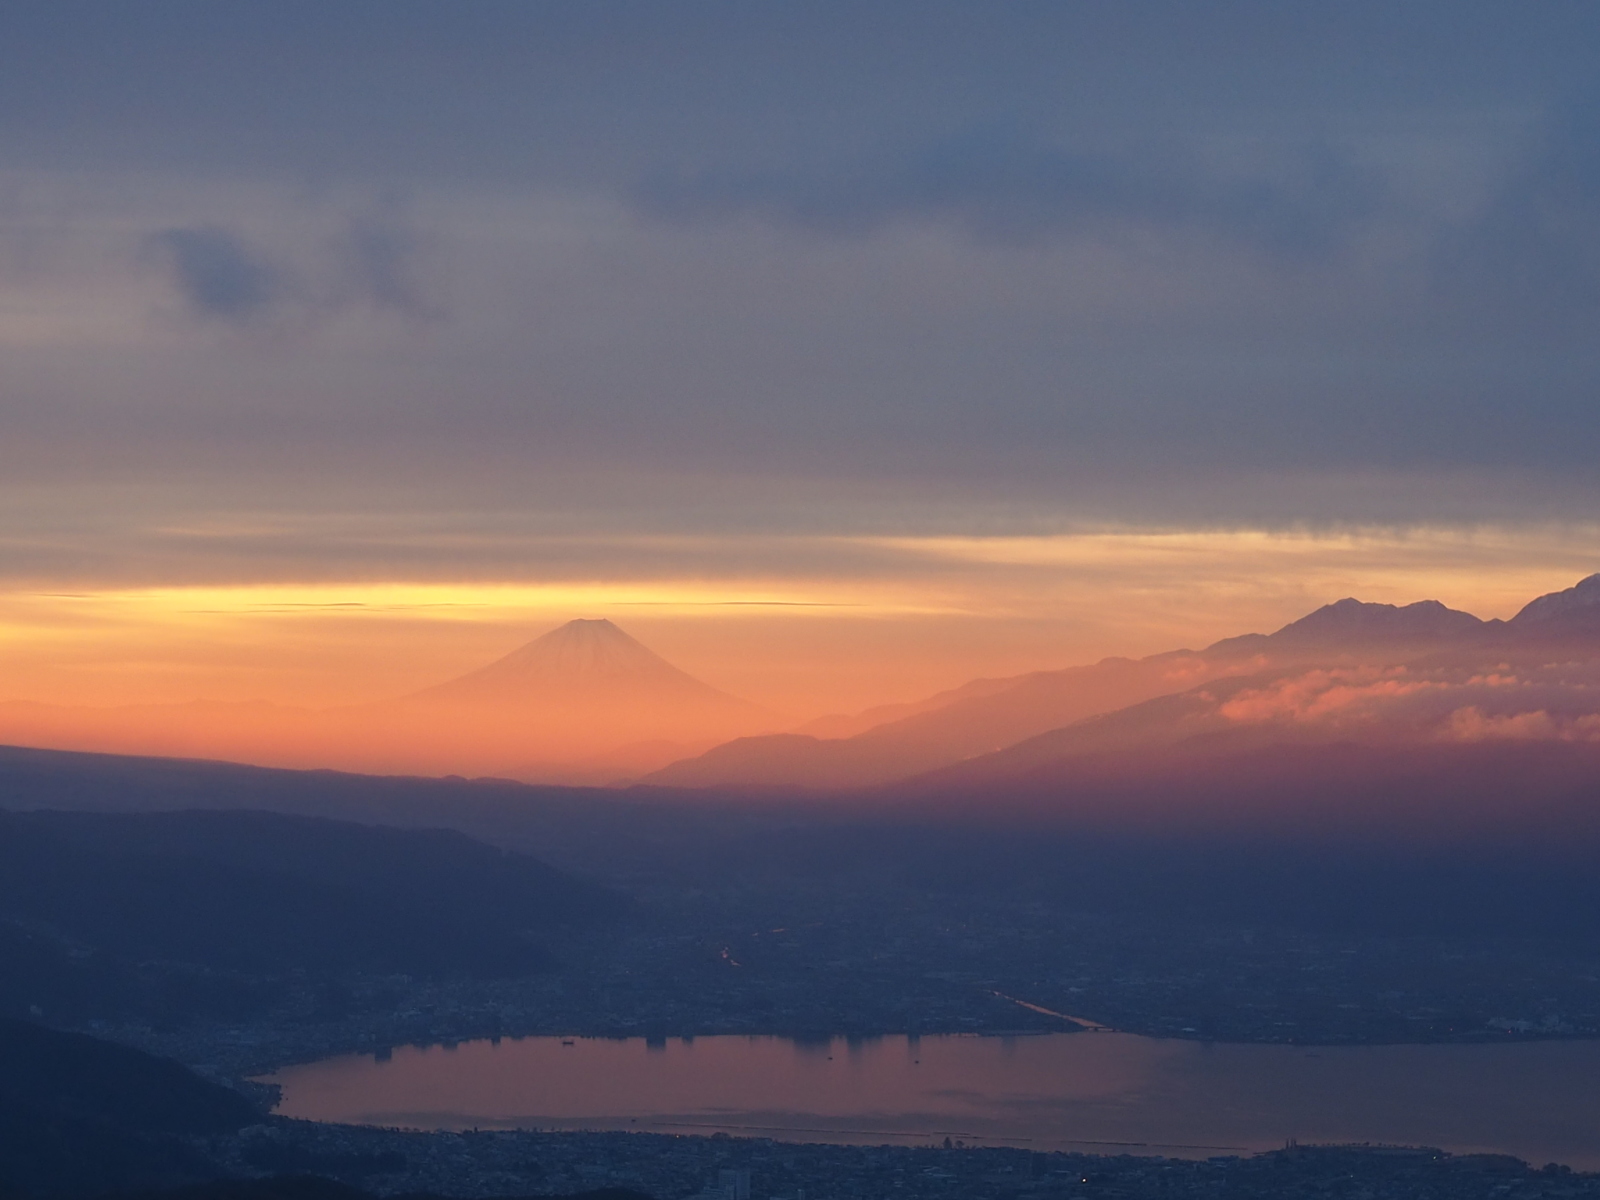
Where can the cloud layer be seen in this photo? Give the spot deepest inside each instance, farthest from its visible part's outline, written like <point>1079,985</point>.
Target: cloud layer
<point>900,270</point>
<point>1553,702</point>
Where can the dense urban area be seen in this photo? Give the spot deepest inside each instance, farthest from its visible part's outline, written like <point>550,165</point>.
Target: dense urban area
<point>829,963</point>
<point>483,1164</point>
<point>832,962</point>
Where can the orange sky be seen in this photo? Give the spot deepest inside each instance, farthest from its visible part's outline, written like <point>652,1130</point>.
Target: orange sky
<point>901,618</point>
<point>989,355</point>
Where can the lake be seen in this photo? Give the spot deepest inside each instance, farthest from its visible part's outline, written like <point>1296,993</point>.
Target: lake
<point>1098,1092</point>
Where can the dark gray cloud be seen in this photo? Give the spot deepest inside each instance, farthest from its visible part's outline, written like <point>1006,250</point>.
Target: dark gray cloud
<point>371,261</point>
<point>219,275</point>
<point>1167,261</point>
<point>592,92</point>
<point>1002,185</point>
<point>1532,255</point>
<point>380,260</point>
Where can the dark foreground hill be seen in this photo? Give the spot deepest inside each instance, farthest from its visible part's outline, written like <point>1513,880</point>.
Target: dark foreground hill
<point>79,1115</point>
<point>104,914</point>
<point>1500,836</point>
<point>312,1187</point>
<point>1488,839</point>
<point>505,813</point>
<point>83,1117</point>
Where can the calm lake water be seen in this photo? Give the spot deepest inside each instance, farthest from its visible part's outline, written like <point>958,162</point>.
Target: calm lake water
<point>1102,1092</point>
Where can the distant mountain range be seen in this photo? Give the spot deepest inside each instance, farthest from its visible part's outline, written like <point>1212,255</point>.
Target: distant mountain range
<point>584,703</point>
<point>1349,669</point>
<point>588,704</point>
<point>1495,837</point>
<point>583,661</point>
<point>586,690</point>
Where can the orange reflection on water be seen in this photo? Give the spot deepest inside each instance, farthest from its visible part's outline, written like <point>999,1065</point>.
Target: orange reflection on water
<point>1113,1092</point>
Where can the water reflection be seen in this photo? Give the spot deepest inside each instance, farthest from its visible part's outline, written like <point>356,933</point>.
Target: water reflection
<point>1107,1091</point>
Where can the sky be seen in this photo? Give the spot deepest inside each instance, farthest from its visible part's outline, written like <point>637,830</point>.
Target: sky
<point>840,351</point>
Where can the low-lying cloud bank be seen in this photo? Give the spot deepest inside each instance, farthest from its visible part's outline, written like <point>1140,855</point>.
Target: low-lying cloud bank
<point>1559,701</point>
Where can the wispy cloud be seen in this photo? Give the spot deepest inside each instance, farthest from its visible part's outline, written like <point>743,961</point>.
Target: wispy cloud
<point>219,275</point>
<point>369,261</point>
<point>380,259</point>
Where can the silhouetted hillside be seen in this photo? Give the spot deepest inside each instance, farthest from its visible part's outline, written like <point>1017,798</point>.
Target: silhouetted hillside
<point>42,973</point>
<point>577,829</point>
<point>1496,835</point>
<point>1502,795</point>
<point>84,895</point>
<point>80,1116</point>
<point>974,723</point>
<point>73,1075</point>
<point>1490,839</point>
<point>311,1187</point>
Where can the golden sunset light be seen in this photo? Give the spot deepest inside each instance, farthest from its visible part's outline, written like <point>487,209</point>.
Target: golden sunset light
<point>857,600</point>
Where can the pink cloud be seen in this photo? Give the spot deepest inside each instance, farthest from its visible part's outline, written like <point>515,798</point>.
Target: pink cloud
<point>1473,725</point>
<point>1327,695</point>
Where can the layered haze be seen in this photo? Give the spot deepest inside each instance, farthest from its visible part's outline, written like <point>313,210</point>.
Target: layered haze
<point>1350,672</point>
<point>588,703</point>
<point>741,519</point>
<point>841,355</point>
<point>584,702</point>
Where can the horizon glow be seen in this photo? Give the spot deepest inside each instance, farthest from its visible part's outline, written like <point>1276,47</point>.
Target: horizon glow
<point>961,607</point>
<point>841,355</point>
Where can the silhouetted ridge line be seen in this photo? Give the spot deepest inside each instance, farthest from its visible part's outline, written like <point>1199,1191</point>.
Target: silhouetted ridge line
<point>1579,604</point>
<point>80,1116</point>
<point>1355,619</point>
<point>1112,704</point>
<point>584,654</point>
<point>81,1077</point>
<point>254,895</point>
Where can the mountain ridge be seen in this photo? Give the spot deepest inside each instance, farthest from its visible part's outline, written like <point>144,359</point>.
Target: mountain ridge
<point>1581,601</point>
<point>584,655</point>
<point>1347,620</point>
<point>1034,705</point>
<point>584,702</point>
